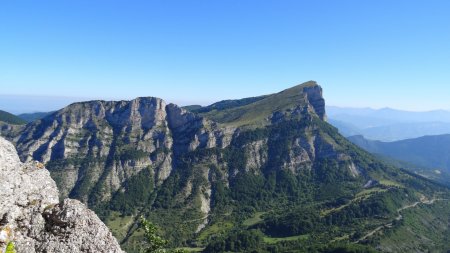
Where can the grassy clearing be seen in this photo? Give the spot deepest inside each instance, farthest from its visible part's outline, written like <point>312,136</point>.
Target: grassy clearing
<point>119,225</point>
<point>192,249</point>
<point>390,183</point>
<point>341,238</point>
<point>215,229</point>
<point>257,218</point>
<point>368,192</point>
<point>273,240</point>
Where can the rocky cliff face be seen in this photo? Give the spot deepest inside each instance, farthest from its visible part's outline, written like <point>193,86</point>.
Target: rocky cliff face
<point>100,145</point>
<point>32,217</point>
<point>315,98</point>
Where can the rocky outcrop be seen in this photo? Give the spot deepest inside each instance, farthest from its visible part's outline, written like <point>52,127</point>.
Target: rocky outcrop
<point>257,155</point>
<point>315,98</point>
<point>32,217</point>
<point>192,131</point>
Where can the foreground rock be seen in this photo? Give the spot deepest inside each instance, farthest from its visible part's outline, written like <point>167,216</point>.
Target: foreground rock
<point>32,217</point>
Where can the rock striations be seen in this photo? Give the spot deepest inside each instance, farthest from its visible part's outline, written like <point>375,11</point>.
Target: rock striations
<point>32,217</point>
<point>102,144</point>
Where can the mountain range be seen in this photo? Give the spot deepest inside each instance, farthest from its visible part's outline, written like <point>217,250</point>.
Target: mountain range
<point>261,174</point>
<point>388,124</point>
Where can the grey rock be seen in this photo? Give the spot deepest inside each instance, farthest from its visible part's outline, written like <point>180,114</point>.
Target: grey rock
<point>315,98</point>
<point>34,220</point>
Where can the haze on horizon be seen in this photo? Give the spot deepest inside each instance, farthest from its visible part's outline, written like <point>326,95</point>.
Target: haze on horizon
<point>19,104</point>
<point>364,54</point>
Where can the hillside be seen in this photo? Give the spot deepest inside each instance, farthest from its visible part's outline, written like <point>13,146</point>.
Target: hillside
<point>265,174</point>
<point>9,118</point>
<point>29,117</point>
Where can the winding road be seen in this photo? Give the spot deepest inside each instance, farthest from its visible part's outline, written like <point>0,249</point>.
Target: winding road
<point>423,200</point>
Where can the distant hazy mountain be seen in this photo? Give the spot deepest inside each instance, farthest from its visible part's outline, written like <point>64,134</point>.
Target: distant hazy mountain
<point>388,114</point>
<point>11,118</point>
<point>431,152</point>
<point>345,128</point>
<point>388,124</point>
<point>407,130</point>
<point>427,151</point>
<point>30,117</point>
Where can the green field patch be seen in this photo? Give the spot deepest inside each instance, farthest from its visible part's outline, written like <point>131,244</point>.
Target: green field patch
<point>368,192</point>
<point>217,228</point>
<point>390,183</point>
<point>257,218</point>
<point>191,249</point>
<point>119,225</point>
<point>273,240</point>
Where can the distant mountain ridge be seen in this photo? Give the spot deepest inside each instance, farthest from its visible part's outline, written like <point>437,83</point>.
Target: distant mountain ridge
<point>30,117</point>
<point>426,151</point>
<point>389,124</point>
<point>432,152</point>
<point>391,114</point>
<point>9,118</point>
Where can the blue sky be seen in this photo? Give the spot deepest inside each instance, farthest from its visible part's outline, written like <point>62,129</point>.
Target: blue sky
<point>363,53</point>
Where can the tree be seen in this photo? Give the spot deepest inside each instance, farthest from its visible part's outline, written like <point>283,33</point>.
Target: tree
<point>153,243</point>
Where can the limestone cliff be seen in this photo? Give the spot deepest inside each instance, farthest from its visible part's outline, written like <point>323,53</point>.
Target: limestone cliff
<point>315,98</point>
<point>100,144</point>
<point>32,217</point>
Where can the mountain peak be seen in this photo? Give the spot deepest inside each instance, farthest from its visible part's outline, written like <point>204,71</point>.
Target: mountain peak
<point>304,85</point>
<point>313,93</point>
<point>299,100</point>
<point>315,97</point>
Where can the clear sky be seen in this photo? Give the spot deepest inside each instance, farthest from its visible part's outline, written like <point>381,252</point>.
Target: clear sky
<point>363,53</point>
